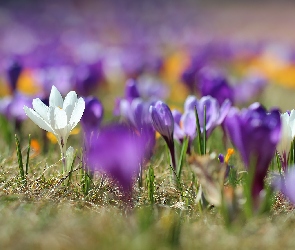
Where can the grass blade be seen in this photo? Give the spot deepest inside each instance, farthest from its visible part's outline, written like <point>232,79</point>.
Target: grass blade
<point>28,156</point>
<point>200,145</point>
<point>20,160</point>
<point>182,156</point>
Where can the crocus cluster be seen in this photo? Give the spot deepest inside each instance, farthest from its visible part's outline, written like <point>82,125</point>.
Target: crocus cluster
<point>134,110</point>
<point>212,81</point>
<point>255,132</point>
<point>185,124</point>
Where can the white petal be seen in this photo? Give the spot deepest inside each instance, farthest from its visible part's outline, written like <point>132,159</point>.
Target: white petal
<point>41,108</point>
<point>69,103</point>
<point>60,118</point>
<point>292,122</point>
<point>55,98</point>
<point>36,118</point>
<point>77,112</point>
<point>58,121</point>
<point>286,134</point>
<point>51,117</point>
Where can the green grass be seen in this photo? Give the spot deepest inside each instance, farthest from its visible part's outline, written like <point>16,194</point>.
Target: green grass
<point>48,212</point>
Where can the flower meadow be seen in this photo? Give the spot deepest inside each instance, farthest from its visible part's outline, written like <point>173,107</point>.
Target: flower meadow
<point>120,133</point>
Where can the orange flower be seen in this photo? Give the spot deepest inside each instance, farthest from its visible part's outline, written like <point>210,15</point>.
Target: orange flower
<point>35,146</point>
<point>230,152</point>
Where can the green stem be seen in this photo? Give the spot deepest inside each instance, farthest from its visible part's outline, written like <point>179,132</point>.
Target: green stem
<point>63,150</point>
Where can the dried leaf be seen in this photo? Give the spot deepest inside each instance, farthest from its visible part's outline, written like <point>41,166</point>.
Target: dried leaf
<point>211,175</point>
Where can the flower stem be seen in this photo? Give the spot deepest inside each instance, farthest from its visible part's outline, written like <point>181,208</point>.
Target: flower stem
<point>63,150</point>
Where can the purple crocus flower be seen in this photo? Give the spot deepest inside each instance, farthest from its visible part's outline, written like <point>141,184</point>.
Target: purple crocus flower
<point>255,133</point>
<point>118,152</point>
<point>93,114</point>
<point>152,88</point>
<point>248,88</point>
<point>184,125</point>
<point>87,78</point>
<point>163,122</point>
<point>215,114</point>
<point>131,90</point>
<point>214,83</point>
<point>14,70</point>
<point>178,131</point>
<point>12,107</point>
<point>189,76</point>
<point>59,76</point>
<point>136,114</point>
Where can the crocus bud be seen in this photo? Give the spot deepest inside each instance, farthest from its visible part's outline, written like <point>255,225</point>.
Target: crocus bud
<point>162,120</point>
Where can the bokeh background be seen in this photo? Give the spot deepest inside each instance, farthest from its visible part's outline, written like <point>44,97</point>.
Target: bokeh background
<point>93,47</point>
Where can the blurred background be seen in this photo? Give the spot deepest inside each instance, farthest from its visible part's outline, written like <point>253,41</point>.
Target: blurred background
<point>94,47</point>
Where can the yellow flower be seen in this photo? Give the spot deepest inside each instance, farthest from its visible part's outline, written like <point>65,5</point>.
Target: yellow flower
<point>26,83</point>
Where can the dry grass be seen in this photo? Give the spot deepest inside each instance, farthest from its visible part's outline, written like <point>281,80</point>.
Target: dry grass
<point>49,214</point>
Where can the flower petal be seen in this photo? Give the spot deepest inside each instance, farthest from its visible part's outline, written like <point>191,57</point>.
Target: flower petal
<point>55,98</point>
<point>58,121</point>
<point>188,121</point>
<point>69,103</point>
<point>36,118</point>
<point>223,111</point>
<point>77,113</point>
<point>41,108</point>
<point>60,118</point>
<point>292,122</point>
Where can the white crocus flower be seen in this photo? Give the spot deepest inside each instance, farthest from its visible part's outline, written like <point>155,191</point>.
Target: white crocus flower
<point>60,117</point>
<point>288,133</point>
